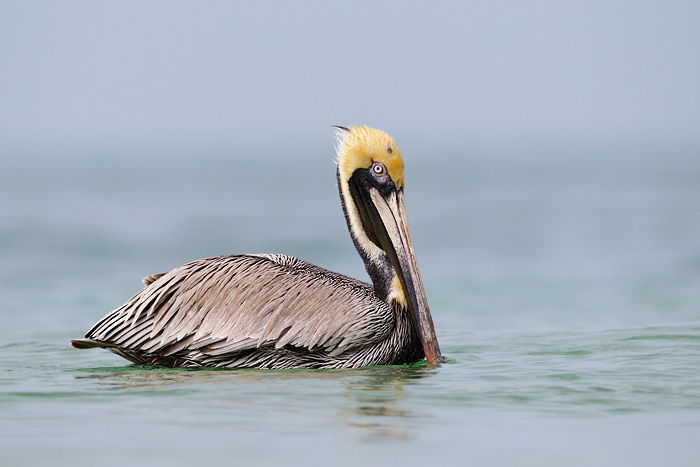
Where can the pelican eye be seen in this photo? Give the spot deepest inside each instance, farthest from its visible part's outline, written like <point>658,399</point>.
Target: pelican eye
<point>378,168</point>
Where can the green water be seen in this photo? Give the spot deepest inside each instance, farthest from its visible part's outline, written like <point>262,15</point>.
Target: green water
<point>564,284</point>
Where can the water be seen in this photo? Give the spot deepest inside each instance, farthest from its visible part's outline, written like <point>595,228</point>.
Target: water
<point>564,281</point>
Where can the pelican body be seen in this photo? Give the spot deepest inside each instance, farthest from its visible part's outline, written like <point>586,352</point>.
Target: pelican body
<point>277,311</point>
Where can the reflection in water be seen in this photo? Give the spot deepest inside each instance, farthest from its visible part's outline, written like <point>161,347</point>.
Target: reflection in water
<point>146,378</point>
<point>375,402</point>
<point>370,402</point>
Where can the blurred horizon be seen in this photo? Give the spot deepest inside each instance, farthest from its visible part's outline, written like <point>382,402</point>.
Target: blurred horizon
<point>541,139</point>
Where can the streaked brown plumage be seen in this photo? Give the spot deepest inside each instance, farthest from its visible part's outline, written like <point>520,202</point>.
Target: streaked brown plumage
<point>276,311</point>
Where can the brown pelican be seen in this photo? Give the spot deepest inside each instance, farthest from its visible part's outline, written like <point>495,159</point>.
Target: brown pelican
<point>276,311</point>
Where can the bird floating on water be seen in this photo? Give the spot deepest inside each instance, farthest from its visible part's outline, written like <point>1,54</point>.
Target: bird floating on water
<point>277,311</point>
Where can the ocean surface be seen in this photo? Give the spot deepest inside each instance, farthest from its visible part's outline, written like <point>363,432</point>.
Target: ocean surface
<point>563,278</point>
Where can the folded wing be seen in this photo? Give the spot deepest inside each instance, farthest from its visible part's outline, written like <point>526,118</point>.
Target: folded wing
<point>232,304</point>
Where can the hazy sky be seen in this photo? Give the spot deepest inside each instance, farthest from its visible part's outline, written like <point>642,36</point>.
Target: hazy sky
<point>225,71</point>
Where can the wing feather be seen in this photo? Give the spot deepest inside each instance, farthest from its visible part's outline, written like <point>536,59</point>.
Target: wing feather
<point>230,304</point>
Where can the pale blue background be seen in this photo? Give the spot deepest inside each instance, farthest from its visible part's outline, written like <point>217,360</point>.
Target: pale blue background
<point>84,73</point>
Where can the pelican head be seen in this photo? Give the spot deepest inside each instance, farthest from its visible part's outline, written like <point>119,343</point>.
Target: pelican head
<point>371,183</point>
